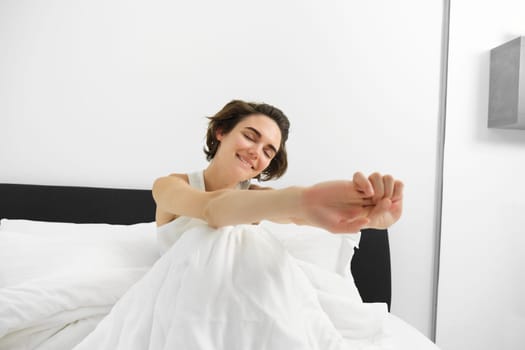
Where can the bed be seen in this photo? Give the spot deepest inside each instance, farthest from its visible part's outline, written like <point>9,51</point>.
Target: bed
<point>59,239</point>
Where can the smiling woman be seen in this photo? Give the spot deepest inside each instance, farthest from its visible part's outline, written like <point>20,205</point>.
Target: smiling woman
<point>253,142</point>
<point>236,111</point>
<point>234,284</point>
<point>248,141</point>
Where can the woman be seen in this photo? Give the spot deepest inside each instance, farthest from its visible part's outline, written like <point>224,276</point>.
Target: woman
<point>247,140</point>
<point>224,283</point>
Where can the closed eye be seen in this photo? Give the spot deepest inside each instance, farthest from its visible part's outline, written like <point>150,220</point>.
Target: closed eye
<point>249,137</point>
<point>269,153</point>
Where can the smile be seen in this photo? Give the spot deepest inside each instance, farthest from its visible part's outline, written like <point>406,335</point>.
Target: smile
<point>245,162</point>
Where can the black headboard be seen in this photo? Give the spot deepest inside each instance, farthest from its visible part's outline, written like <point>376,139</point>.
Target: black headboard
<point>370,265</point>
<point>76,204</point>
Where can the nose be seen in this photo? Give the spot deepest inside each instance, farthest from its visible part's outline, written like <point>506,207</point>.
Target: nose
<point>255,152</point>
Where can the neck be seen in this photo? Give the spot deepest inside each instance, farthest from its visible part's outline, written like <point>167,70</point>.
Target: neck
<point>215,179</point>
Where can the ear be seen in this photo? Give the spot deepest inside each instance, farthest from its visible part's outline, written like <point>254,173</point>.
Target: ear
<point>219,135</point>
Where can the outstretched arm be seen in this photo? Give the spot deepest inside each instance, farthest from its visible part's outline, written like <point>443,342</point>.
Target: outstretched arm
<point>385,192</point>
<point>337,206</point>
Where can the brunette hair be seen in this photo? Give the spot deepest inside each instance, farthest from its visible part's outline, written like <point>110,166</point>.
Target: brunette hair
<point>235,111</point>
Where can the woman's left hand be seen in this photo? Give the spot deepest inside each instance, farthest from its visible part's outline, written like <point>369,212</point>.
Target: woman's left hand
<point>387,198</point>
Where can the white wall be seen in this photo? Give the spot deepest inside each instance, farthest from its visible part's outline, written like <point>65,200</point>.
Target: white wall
<point>109,93</point>
<point>482,270</point>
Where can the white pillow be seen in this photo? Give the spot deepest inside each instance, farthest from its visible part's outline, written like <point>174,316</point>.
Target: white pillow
<point>36,249</point>
<point>329,251</point>
<point>67,228</point>
<point>50,247</point>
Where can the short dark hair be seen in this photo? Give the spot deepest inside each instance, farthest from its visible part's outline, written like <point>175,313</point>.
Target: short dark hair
<point>235,111</point>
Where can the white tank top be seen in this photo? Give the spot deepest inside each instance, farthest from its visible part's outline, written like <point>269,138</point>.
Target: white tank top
<point>169,233</point>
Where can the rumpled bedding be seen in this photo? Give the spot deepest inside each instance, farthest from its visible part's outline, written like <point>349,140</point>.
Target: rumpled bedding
<point>238,288</point>
<point>70,304</point>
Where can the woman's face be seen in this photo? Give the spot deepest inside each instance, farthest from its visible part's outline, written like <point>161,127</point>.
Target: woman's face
<point>250,146</point>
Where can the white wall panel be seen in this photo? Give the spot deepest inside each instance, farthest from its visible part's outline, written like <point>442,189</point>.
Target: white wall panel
<point>482,265</point>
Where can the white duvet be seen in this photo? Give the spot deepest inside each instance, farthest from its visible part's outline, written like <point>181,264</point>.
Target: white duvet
<point>231,288</point>
<point>66,304</point>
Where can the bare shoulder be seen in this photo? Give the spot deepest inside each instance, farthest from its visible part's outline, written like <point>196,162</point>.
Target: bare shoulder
<point>165,184</point>
<point>180,177</point>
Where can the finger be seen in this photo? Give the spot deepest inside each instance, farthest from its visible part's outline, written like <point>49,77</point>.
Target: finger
<point>398,191</point>
<point>363,184</point>
<point>381,207</point>
<point>388,185</point>
<point>383,204</point>
<point>377,183</point>
<point>366,202</point>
